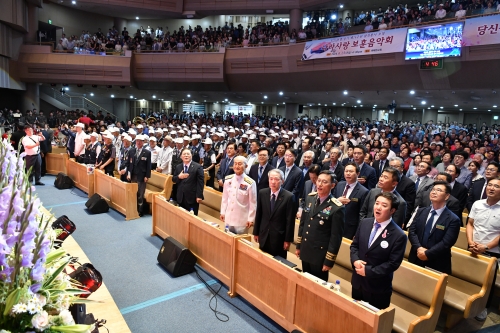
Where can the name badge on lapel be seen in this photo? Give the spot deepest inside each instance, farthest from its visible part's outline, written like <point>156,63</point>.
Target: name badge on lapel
<point>354,199</point>
<point>439,226</point>
<point>143,158</point>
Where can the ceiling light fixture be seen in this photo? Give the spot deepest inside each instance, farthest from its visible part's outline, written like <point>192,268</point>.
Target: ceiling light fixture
<point>281,93</point>
<point>345,92</point>
<point>137,17</point>
<point>424,102</point>
<point>112,96</point>
<point>412,92</point>
<point>265,96</point>
<point>91,94</point>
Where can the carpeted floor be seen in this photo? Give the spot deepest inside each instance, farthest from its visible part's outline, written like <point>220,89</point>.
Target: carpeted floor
<point>148,297</point>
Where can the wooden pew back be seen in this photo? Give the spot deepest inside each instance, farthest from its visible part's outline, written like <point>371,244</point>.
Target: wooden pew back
<point>157,184</point>
<point>211,202</point>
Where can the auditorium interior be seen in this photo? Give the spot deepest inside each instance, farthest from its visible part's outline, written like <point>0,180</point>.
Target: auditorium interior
<point>236,287</point>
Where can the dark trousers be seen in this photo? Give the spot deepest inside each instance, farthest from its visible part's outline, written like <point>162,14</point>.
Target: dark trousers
<point>210,181</point>
<point>274,251</point>
<point>34,162</point>
<point>492,290</point>
<point>188,207</point>
<point>378,300</point>
<point>316,270</point>
<point>44,165</point>
<point>141,188</point>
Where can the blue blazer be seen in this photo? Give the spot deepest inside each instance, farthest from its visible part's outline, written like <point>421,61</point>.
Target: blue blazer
<point>443,236</point>
<point>380,262</point>
<point>222,173</point>
<point>357,197</point>
<point>370,175</point>
<point>294,182</point>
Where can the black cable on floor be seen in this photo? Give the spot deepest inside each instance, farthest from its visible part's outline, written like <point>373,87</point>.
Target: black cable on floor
<point>217,313</point>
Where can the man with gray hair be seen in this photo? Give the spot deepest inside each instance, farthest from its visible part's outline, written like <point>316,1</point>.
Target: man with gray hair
<point>239,199</point>
<point>275,218</point>
<point>406,186</point>
<point>307,158</point>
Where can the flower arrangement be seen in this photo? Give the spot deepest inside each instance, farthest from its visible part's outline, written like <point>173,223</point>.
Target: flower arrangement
<point>35,291</point>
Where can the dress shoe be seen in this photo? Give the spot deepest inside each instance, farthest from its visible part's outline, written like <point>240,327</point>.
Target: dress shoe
<point>39,184</point>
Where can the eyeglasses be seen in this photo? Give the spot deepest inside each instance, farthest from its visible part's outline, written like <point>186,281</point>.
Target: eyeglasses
<point>491,170</point>
<point>438,190</point>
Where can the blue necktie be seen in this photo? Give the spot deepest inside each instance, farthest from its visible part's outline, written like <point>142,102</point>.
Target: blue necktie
<point>260,173</point>
<point>376,225</point>
<point>417,183</point>
<point>185,169</point>
<point>428,228</point>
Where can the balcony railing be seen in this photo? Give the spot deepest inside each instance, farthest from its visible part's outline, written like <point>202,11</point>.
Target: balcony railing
<point>77,102</point>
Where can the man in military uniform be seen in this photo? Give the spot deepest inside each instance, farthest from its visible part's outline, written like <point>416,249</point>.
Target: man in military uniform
<point>239,199</point>
<point>321,228</point>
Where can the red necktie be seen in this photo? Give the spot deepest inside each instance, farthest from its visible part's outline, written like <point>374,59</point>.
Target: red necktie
<point>345,191</point>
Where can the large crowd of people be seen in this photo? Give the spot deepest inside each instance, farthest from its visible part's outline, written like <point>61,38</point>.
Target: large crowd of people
<point>340,176</point>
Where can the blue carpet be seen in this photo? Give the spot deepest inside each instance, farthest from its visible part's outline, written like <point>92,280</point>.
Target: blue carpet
<point>491,329</point>
<point>149,298</point>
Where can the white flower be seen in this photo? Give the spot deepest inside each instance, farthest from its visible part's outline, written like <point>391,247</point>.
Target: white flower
<point>66,317</point>
<point>19,308</point>
<point>32,307</point>
<point>4,331</point>
<point>40,321</point>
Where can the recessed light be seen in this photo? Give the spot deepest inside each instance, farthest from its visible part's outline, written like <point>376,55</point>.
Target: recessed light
<point>424,102</point>
<point>440,107</point>
<point>137,17</point>
<point>154,96</point>
<point>361,105</point>
<point>412,92</point>
<point>226,99</point>
<point>475,108</point>
<point>190,96</point>
<point>432,106</point>
<point>334,103</point>
<point>456,105</point>
<point>261,102</point>
<point>358,101</point>
<point>131,96</point>
<point>489,110</point>
<point>341,6</point>
<point>374,105</point>
<point>112,96</point>
<point>91,94</point>
<point>414,108</point>
<point>494,106</point>
<point>265,96</point>
<point>345,92</point>
<point>73,2</point>
<point>460,109</point>
<point>66,88</point>
<point>281,93</point>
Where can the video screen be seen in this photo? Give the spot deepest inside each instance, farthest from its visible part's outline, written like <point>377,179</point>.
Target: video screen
<point>439,41</point>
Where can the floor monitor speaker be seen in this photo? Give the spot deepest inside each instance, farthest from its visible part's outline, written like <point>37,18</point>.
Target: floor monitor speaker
<point>176,258</point>
<point>63,182</point>
<point>97,205</point>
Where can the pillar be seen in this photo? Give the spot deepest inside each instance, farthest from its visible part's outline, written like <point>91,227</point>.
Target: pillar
<point>31,35</point>
<point>296,16</point>
<point>121,23</point>
<point>121,109</point>
<point>31,98</point>
<point>291,110</point>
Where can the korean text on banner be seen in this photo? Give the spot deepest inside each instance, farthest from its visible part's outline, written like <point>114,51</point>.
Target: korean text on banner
<point>482,31</point>
<point>387,41</point>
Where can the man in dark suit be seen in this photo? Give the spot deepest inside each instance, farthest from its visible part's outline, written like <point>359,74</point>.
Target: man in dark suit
<point>310,185</point>
<point>352,195</point>
<point>349,157</point>
<point>434,231</point>
<point>458,190</point>
<point>423,198</point>
<point>275,217</point>
<point>477,190</point>
<point>377,251</point>
<point>190,181</point>
<point>321,228</point>
<point>421,178</point>
<point>258,172</point>
<point>367,175</point>
<point>307,158</point>
<point>382,163</point>
<point>279,160</point>
<point>387,183</point>
<point>226,165</point>
<point>406,186</point>
<point>139,170</point>
<point>335,166</point>
<point>294,178</point>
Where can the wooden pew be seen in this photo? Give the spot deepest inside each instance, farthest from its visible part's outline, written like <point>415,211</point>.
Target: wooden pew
<point>56,163</point>
<point>210,206</point>
<point>78,172</point>
<point>296,302</point>
<point>119,195</point>
<point>211,245</point>
<point>468,286</point>
<point>59,150</point>
<point>158,184</point>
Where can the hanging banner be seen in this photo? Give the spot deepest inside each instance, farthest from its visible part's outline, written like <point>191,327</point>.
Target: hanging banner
<point>481,31</point>
<point>386,41</point>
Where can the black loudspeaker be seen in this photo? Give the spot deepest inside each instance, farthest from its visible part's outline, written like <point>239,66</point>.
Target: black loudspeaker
<point>79,312</point>
<point>301,108</point>
<point>63,182</point>
<point>97,205</point>
<point>176,258</point>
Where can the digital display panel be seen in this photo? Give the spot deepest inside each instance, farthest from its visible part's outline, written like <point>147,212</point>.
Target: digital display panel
<point>437,41</point>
